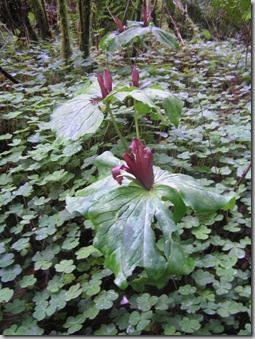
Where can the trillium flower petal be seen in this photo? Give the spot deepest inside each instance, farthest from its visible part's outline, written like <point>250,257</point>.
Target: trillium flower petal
<point>120,27</point>
<point>116,173</point>
<point>107,81</point>
<point>102,87</point>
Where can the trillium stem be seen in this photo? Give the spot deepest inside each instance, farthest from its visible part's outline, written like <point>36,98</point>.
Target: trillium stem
<point>124,143</point>
<point>136,123</point>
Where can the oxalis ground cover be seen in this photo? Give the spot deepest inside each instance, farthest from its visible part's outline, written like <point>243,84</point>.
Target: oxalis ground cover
<point>53,280</point>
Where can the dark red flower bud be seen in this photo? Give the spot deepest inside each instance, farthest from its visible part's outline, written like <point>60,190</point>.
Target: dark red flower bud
<point>105,83</point>
<point>135,77</point>
<point>146,15</point>
<point>120,27</point>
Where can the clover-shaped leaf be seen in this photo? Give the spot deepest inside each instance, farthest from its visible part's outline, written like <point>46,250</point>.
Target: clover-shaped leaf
<point>6,259</point>
<point>144,302</point>
<point>140,320</point>
<point>91,287</point>
<point>42,264</point>
<point>24,190</point>
<point>65,266</point>
<point>73,292</point>
<point>20,244</point>
<point>171,330</point>
<point>74,324</point>
<point>163,302</point>
<point>134,318</point>
<point>247,331</point>
<point>189,325</point>
<point>121,317</point>
<point>14,329</point>
<point>16,306</point>
<point>10,273</point>
<point>2,248</point>
<point>109,329</point>
<point>40,310</point>
<point>70,243</point>
<point>243,291</point>
<point>44,259</point>
<point>27,280</point>
<point>187,290</point>
<point>89,309</point>
<point>228,308</point>
<point>203,277</point>
<point>104,300</point>
<point>85,252</point>
<point>222,287</point>
<point>201,232</point>
<point>210,307</point>
<point>57,302</point>
<point>5,294</point>
<point>191,303</point>
<point>26,329</point>
<point>44,232</point>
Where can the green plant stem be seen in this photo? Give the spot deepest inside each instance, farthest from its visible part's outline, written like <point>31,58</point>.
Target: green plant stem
<point>117,128</point>
<point>136,124</point>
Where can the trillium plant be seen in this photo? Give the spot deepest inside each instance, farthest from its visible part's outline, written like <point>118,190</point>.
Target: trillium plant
<point>137,31</point>
<point>135,206</point>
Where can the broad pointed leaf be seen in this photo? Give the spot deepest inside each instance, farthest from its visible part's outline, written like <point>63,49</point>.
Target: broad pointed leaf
<point>166,38</point>
<point>86,197</point>
<point>77,117</point>
<point>124,234</point>
<point>193,194</point>
<point>147,98</point>
<point>116,40</point>
<point>137,94</point>
<point>173,108</point>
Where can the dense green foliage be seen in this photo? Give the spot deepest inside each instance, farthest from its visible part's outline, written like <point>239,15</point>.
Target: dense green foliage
<point>52,278</point>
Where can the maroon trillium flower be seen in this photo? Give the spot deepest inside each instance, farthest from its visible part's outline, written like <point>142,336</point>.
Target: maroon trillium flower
<point>139,163</point>
<point>135,77</point>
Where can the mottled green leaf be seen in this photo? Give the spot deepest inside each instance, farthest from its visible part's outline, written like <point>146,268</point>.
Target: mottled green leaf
<point>77,117</point>
<point>173,108</point>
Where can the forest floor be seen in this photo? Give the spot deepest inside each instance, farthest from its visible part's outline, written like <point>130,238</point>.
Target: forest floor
<point>52,279</point>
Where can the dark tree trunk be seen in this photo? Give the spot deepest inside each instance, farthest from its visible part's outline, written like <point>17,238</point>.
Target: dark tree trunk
<point>41,18</point>
<point>14,13</point>
<point>84,17</point>
<point>66,49</point>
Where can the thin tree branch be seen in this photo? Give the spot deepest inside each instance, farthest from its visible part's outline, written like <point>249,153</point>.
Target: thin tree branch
<point>176,28</point>
<point>125,12</point>
<point>9,76</point>
<point>246,170</point>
